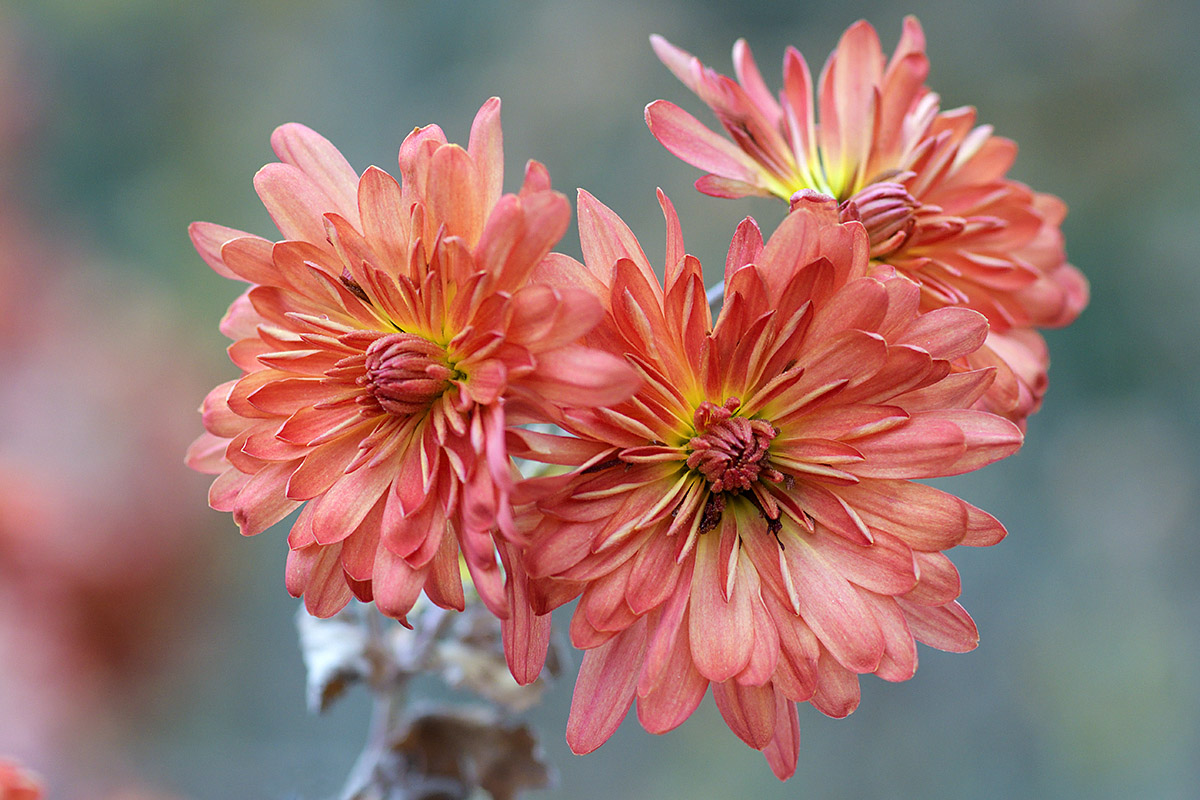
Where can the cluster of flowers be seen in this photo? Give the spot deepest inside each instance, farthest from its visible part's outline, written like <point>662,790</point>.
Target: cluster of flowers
<point>732,503</point>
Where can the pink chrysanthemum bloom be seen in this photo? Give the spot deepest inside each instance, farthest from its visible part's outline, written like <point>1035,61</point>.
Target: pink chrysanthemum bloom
<point>929,186</point>
<point>748,520</point>
<point>386,345</point>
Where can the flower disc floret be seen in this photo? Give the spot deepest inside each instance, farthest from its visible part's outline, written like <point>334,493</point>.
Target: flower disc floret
<point>730,452</point>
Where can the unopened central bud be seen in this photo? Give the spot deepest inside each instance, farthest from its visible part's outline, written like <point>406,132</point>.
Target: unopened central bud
<point>887,211</point>
<point>730,451</point>
<point>405,373</point>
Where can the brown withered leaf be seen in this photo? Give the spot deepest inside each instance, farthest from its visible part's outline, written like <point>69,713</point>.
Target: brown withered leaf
<point>454,751</point>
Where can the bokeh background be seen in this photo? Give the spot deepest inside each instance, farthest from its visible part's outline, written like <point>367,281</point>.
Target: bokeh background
<point>146,647</point>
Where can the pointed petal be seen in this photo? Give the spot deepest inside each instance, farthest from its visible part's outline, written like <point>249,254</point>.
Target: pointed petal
<point>208,238</point>
<point>749,711</point>
<point>688,138</point>
<point>316,157</point>
<point>486,148</point>
<point>947,627</point>
<point>605,688</point>
<point>784,749</point>
<point>676,691</point>
<point>294,201</point>
<point>526,634</point>
<point>453,194</point>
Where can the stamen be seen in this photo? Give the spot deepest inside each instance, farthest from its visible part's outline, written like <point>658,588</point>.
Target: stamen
<point>730,452</point>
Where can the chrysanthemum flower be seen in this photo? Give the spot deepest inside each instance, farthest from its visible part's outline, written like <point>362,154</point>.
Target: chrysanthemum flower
<point>929,186</point>
<point>748,520</point>
<point>386,345</point>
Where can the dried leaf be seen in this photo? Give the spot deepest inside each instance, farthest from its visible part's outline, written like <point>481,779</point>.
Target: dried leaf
<point>335,655</point>
<point>455,752</point>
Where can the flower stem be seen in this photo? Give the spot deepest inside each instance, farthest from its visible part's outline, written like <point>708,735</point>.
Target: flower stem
<point>389,689</point>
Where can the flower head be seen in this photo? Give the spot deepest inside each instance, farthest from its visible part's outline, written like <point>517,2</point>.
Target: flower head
<point>748,520</point>
<point>928,185</point>
<point>386,344</point>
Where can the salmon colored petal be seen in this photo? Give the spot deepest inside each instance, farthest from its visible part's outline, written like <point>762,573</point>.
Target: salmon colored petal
<point>486,148</point>
<point>899,662</point>
<point>681,63</point>
<point>578,376</point>
<point>604,690</point>
<point>295,202</point>
<point>316,573</point>
<point>343,506</point>
<point>833,609</point>
<point>262,502</point>
<point>676,691</point>
<point>454,197</point>
<point>885,565</point>
<point>847,97</point>
<point>717,186</point>
<point>947,627</point>
<point>721,630</point>
<point>748,710</point>
<point>923,517</point>
<point>688,138</point>
<point>208,239</point>
<point>544,318</point>
<point>395,584</point>
<point>925,446</point>
<point>546,218</point>
<point>443,583</point>
<point>526,634</point>
<point>383,215</point>
<point>938,583</point>
<point>783,751</point>
<point>316,157</point>
<point>606,239</point>
<point>838,692</point>
<point>751,80</point>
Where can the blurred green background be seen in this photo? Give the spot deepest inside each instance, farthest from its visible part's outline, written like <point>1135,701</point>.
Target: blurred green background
<point>127,119</point>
